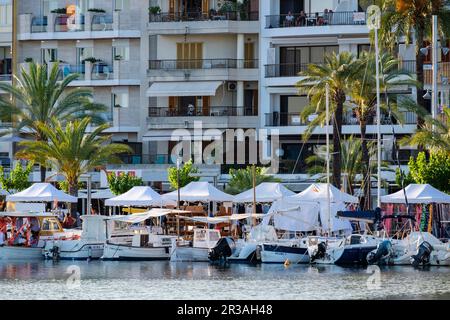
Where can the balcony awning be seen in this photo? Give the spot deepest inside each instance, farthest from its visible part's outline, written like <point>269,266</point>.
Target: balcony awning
<point>182,134</point>
<point>183,89</point>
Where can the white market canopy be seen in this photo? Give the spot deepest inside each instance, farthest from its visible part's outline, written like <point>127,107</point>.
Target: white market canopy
<point>265,192</point>
<point>101,194</point>
<point>318,192</point>
<point>41,192</point>
<point>199,191</point>
<point>142,196</point>
<point>417,193</point>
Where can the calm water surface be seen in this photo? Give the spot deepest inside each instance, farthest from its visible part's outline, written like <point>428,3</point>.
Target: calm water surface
<point>166,280</point>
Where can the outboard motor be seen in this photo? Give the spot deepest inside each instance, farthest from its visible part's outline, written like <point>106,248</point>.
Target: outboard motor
<point>55,253</point>
<point>320,253</point>
<point>382,252</point>
<point>423,254</point>
<point>223,249</point>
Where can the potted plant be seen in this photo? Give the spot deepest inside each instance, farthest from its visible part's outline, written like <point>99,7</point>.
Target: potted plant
<point>59,11</point>
<point>97,10</point>
<point>28,60</point>
<point>154,11</point>
<point>118,57</point>
<point>92,60</point>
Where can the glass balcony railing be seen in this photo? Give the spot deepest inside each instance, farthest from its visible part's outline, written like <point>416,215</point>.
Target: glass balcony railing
<point>202,64</point>
<point>224,111</point>
<point>316,19</point>
<point>212,15</point>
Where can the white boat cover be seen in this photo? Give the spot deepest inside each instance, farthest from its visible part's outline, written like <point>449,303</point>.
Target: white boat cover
<point>318,192</point>
<point>417,193</point>
<point>199,191</point>
<point>221,219</point>
<point>100,194</point>
<point>41,192</point>
<point>265,192</point>
<point>142,216</point>
<point>142,196</point>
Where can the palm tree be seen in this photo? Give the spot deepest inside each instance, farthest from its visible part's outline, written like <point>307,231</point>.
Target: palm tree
<point>242,179</point>
<point>72,150</point>
<point>338,71</point>
<point>413,17</point>
<point>433,135</point>
<point>364,100</point>
<point>40,96</point>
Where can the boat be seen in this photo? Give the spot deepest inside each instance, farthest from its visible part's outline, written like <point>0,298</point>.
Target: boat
<point>89,246</point>
<point>196,250</point>
<point>293,250</point>
<point>350,250</point>
<point>28,233</point>
<point>129,240</point>
<point>418,248</point>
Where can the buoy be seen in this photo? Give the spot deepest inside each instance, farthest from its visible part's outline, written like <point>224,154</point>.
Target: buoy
<point>287,263</point>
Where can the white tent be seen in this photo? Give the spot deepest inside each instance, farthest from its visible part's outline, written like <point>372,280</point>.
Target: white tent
<point>200,191</point>
<point>318,192</point>
<point>137,196</point>
<point>100,194</point>
<point>417,193</point>
<point>41,192</point>
<point>265,192</point>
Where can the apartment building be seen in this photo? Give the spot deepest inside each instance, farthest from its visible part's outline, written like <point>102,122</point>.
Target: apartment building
<point>5,72</point>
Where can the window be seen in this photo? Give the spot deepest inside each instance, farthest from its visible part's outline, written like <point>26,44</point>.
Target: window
<point>5,13</point>
<point>364,48</point>
<point>121,5</point>
<point>121,53</point>
<point>191,51</point>
<point>49,55</point>
<point>84,53</point>
<point>120,100</point>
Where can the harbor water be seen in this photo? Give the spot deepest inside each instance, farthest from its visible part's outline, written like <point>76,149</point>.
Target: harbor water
<point>168,280</point>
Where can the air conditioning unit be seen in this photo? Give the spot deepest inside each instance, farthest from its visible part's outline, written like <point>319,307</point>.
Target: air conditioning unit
<point>232,86</point>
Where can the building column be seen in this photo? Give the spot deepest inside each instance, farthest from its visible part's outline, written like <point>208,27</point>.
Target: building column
<point>240,56</point>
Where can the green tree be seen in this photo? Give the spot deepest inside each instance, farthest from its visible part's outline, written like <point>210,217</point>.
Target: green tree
<point>18,178</point>
<point>435,170</point>
<point>339,72</point>
<point>121,183</point>
<point>72,150</point>
<point>184,174</point>
<point>412,19</point>
<point>242,179</point>
<point>40,96</point>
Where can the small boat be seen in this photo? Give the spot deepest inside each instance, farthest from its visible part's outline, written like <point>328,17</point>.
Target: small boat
<point>418,248</point>
<point>351,250</point>
<point>137,243</point>
<point>197,250</point>
<point>292,250</point>
<point>28,233</point>
<point>89,246</point>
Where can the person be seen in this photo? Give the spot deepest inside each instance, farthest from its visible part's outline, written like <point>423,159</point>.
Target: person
<point>69,221</point>
<point>325,17</point>
<point>191,109</point>
<point>319,20</point>
<point>289,20</point>
<point>301,20</point>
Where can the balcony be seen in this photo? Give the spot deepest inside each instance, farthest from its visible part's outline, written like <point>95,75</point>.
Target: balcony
<point>316,20</point>
<point>203,64</point>
<point>199,16</point>
<point>146,159</point>
<point>284,69</point>
<point>5,77</point>
<point>443,77</point>
<point>224,111</point>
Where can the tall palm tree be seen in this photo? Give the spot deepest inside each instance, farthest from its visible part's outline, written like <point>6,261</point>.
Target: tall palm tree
<point>72,150</point>
<point>40,96</point>
<point>433,135</point>
<point>338,71</point>
<point>412,19</point>
<point>364,100</point>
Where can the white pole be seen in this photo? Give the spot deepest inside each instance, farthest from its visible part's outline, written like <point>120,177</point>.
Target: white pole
<point>377,62</point>
<point>434,53</point>
<point>327,122</point>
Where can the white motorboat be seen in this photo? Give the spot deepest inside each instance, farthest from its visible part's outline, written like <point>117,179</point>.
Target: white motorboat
<point>197,250</point>
<point>28,233</point>
<point>89,246</point>
<point>293,250</point>
<point>349,250</point>
<point>418,248</point>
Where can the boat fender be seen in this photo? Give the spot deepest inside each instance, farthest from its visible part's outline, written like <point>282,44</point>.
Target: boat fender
<point>423,254</point>
<point>287,263</point>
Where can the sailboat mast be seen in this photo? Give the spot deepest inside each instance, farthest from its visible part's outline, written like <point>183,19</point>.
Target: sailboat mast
<point>327,123</point>
<point>377,68</point>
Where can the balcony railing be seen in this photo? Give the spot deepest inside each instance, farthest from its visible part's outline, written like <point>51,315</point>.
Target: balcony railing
<point>102,22</point>
<point>316,19</point>
<point>147,159</point>
<point>284,69</point>
<point>67,69</point>
<point>199,16</point>
<point>202,64</point>
<point>224,111</point>
<point>39,24</point>
<point>102,71</point>
<point>407,65</point>
<point>5,77</point>
<point>284,119</point>
<point>67,23</point>
<point>443,73</point>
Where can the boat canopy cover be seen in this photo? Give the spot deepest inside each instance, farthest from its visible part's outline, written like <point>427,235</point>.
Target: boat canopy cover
<point>265,192</point>
<point>222,219</point>
<point>142,196</point>
<point>140,217</point>
<point>199,191</point>
<point>417,193</point>
<point>41,192</point>
<point>318,192</point>
<point>366,216</point>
